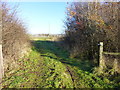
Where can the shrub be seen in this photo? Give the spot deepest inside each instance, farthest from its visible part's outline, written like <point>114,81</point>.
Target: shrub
<point>87,24</point>
<point>15,40</point>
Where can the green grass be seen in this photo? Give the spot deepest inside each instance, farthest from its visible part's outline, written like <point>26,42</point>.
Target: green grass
<point>49,66</point>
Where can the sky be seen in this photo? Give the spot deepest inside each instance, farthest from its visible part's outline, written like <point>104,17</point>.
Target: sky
<point>42,17</point>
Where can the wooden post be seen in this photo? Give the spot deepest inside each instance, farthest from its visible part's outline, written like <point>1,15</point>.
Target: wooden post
<point>1,57</point>
<point>1,66</point>
<point>101,60</point>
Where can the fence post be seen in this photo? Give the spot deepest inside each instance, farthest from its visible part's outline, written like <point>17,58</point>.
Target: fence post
<point>1,64</point>
<point>101,60</point>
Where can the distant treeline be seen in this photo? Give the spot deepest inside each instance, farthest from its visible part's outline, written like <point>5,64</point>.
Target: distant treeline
<point>48,35</point>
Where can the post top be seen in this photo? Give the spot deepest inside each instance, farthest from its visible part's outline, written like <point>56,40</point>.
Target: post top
<point>101,43</point>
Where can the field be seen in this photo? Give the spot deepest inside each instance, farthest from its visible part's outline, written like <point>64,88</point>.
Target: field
<point>49,66</point>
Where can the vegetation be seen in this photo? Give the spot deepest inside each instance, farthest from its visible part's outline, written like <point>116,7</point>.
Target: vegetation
<point>88,23</point>
<point>49,66</point>
<point>15,41</point>
<point>71,62</point>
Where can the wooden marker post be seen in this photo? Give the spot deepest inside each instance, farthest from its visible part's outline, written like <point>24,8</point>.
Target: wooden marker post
<point>1,66</point>
<point>101,60</point>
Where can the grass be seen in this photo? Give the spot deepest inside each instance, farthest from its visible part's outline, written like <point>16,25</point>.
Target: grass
<point>49,66</point>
